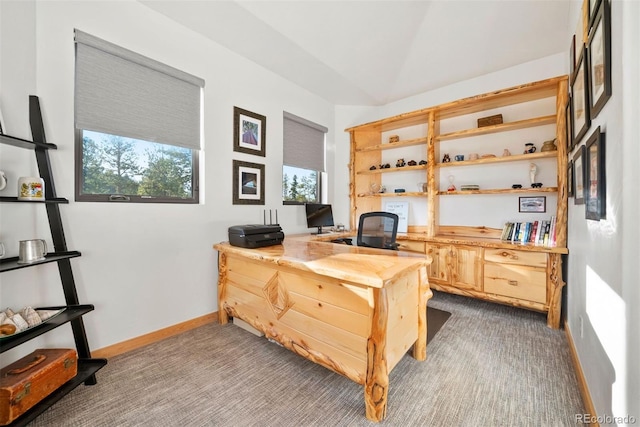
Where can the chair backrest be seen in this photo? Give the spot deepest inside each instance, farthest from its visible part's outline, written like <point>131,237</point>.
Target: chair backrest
<point>378,230</point>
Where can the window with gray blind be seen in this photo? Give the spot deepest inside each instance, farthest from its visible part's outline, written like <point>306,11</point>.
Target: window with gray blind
<point>138,126</point>
<point>303,160</point>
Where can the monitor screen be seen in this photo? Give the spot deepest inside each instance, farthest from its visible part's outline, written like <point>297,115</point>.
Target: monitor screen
<point>319,215</point>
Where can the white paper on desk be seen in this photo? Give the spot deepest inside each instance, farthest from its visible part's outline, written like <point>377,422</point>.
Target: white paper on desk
<point>402,210</point>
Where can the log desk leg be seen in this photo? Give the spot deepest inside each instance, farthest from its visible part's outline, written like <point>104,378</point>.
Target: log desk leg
<point>356,330</point>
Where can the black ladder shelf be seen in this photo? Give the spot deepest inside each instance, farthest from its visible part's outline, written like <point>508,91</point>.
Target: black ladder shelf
<point>87,367</point>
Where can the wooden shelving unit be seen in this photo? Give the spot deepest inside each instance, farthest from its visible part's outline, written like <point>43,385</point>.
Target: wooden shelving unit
<point>465,260</point>
<point>73,310</point>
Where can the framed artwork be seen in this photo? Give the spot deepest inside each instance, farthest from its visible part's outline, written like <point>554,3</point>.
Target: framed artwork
<point>533,204</point>
<point>569,123</point>
<point>595,185</point>
<point>599,59</point>
<point>572,56</point>
<point>580,99</point>
<point>593,9</point>
<point>578,177</point>
<point>249,132</point>
<point>248,183</point>
<point>570,186</point>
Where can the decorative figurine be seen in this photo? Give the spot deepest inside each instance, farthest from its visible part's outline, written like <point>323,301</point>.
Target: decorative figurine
<point>372,168</point>
<point>451,186</point>
<point>506,152</point>
<point>400,163</point>
<point>411,163</point>
<point>446,159</point>
<point>516,186</point>
<point>385,166</point>
<point>533,170</point>
<point>474,156</point>
<point>394,138</point>
<point>529,148</point>
<point>422,162</point>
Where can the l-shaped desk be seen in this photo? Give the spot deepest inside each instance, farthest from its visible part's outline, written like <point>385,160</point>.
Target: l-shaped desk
<point>353,310</point>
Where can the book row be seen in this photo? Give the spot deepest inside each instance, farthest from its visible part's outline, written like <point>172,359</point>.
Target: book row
<point>542,233</point>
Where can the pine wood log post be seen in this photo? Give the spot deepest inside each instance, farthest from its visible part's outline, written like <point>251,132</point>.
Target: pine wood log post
<point>352,181</point>
<point>555,290</point>
<point>223,317</point>
<point>424,295</point>
<point>376,385</point>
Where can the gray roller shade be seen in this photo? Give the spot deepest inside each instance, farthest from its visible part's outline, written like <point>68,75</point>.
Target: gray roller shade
<point>123,93</point>
<point>303,143</point>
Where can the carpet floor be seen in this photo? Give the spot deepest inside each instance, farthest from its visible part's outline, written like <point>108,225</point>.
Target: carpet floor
<point>488,365</point>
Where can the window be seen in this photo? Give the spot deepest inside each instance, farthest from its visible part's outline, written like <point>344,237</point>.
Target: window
<point>304,160</point>
<point>138,126</point>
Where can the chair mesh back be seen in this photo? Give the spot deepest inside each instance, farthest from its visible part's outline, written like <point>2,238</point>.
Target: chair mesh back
<point>378,230</point>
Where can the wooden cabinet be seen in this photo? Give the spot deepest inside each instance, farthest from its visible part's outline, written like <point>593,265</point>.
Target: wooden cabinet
<point>457,266</point>
<point>461,229</point>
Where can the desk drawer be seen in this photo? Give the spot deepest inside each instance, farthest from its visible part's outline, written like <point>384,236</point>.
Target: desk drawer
<point>516,281</point>
<point>411,246</point>
<point>508,256</point>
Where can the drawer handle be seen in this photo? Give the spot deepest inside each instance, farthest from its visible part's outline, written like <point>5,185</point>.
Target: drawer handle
<point>512,282</point>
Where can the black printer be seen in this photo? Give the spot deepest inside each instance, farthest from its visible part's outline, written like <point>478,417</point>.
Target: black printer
<point>255,235</point>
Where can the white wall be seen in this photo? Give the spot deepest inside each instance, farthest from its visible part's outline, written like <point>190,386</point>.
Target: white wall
<point>603,259</point>
<point>454,210</point>
<point>144,266</point>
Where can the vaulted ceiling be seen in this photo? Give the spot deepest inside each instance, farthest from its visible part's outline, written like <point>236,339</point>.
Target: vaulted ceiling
<point>359,52</point>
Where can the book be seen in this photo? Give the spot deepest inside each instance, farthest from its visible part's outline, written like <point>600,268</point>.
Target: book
<point>532,237</point>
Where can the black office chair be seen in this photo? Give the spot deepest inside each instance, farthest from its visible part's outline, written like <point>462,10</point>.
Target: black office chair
<point>378,230</point>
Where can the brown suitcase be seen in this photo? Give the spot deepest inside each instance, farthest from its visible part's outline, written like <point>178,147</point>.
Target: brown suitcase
<point>32,378</point>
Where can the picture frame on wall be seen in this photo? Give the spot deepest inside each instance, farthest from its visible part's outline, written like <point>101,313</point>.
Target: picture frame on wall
<point>249,132</point>
<point>593,9</point>
<point>578,177</point>
<point>599,59</point>
<point>570,186</point>
<point>572,56</point>
<point>569,120</point>
<point>532,204</point>
<point>248,183</point>
<point>580,98</point>
<point>595,177</point>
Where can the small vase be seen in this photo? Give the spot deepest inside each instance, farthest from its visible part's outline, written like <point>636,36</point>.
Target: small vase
<point>549,145</point>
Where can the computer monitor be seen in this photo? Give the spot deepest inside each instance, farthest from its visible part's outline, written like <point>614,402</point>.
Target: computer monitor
<point>319,215</point>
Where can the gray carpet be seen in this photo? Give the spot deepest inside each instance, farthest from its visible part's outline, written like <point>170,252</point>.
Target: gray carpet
<point>489,365</point>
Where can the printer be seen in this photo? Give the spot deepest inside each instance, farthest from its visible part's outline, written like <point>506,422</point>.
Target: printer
<point>255,235</point>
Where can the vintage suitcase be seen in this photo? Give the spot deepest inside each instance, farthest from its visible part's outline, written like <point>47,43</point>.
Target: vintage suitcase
<point>32,378</point>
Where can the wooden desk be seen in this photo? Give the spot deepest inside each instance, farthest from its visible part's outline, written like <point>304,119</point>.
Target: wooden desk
<point>353,310</point>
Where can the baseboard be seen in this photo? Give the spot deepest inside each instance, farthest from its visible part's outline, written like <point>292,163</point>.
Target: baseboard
<point>159,335</point>
<point>582,381</point>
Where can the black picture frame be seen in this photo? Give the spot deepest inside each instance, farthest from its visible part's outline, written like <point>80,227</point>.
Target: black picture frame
<point>248,183</point>
<point>595,177</point>
<point>580,98</point>
<point>599,59</point>
<point>578,176</point>
<point>593,9</point>
<point>537,204</point>
<point>569,124</point>
<point>249,132</point>
<point>570,184</point>
<point>572,56</point>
